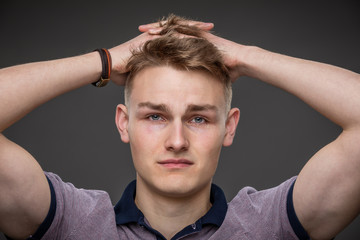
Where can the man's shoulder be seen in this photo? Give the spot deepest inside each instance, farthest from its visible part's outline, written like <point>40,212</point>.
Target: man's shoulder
<point>263,213</point>
<point>62,187</point>
<point>256,197</point>
<point>79,210</point>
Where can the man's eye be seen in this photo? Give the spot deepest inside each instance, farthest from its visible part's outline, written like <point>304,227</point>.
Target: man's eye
<point>198,120</point>
<point>155,117</point>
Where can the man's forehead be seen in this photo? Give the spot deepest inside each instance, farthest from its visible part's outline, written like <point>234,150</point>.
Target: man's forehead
<point>168,86</point>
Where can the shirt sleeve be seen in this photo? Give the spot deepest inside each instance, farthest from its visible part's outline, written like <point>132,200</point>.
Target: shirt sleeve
<point>75,213</point>
<point>267,214</point>
<point>293,219</point>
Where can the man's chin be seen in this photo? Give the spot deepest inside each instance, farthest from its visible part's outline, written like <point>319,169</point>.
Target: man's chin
<point>181,188</point>
<point>178,185</point>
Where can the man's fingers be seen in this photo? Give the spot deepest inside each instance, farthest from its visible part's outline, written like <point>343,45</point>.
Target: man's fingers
<point>205,26</point>
<point>155,28</point>
<point>147,27</point>
<point>155,31</point>
<point>202,25</point>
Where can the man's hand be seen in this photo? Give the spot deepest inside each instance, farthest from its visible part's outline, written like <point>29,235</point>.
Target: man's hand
<point>231,50</point>
<point>121,54</point>
<point>232,54</point>
<point>155,28</point>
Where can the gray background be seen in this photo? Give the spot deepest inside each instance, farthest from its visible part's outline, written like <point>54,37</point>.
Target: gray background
<point>75,135</point>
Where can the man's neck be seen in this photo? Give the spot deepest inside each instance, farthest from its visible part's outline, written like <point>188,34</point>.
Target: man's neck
<point>169,215</point>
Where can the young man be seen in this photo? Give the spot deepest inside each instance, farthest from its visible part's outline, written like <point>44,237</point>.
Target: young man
<point>176,118</point>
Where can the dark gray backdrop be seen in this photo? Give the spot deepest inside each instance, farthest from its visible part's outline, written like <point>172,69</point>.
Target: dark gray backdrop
<point>75,135</point>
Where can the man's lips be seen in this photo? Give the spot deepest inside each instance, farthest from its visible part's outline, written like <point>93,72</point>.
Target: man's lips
<point>175,163</point>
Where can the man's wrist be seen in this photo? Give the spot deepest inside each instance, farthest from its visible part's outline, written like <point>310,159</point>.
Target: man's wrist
<point>249,59</point>
<point>106,63</point>
<point>88,69</point>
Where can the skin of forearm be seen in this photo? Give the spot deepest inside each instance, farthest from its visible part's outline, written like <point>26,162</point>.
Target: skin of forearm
<point>332,91</point>
<point>25,87</point>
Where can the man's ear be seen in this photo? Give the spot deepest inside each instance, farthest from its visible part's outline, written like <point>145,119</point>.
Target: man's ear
<point>122,120</point>
<point>231,124</point>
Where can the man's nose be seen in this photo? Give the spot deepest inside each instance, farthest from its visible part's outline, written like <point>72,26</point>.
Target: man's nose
<point>177,140</point>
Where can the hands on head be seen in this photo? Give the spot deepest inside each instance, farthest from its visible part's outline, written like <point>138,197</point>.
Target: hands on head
<point>122,53</point>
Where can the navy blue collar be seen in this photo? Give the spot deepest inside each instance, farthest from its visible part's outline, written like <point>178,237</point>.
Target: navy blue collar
<point>127,212</point>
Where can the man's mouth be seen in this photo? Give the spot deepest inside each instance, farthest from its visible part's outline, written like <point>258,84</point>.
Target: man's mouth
<point>175,163</point>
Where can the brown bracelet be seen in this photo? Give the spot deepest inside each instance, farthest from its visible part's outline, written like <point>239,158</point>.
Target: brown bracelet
<point>106,67</point>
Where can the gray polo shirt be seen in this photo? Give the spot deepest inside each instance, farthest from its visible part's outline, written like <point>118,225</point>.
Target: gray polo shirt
<point>89,214</point>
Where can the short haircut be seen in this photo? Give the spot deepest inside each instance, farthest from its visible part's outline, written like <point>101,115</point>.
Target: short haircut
<point>192,53</point>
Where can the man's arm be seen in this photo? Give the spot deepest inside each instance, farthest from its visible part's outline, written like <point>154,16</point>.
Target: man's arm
<point>327,191</point>
<point>25,194</point>
<point>24,191</point>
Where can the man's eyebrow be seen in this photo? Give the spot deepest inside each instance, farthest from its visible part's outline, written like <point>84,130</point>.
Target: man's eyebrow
<point>153,106</point>
<point>205,107</point>
<point>190,108</point>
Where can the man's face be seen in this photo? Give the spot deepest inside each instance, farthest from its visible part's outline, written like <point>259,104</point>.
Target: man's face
<point>176,126</point>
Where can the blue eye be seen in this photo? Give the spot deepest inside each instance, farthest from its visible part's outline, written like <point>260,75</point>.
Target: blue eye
<point>198,120</point>
<point>155,117</point>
